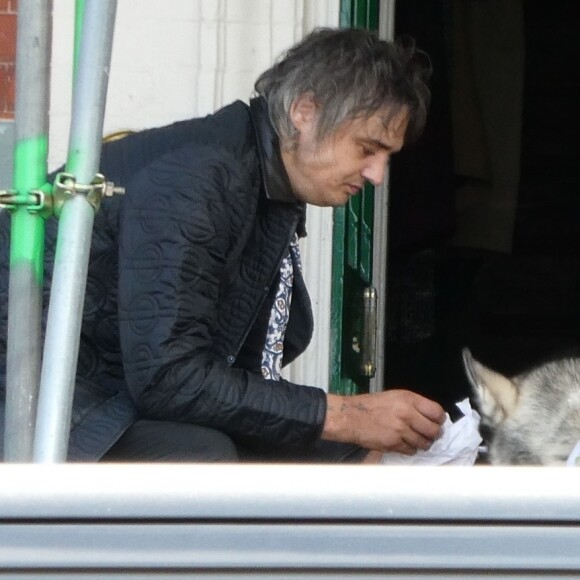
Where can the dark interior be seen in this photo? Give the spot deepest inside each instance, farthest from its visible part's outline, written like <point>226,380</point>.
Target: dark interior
<point>484,230</point>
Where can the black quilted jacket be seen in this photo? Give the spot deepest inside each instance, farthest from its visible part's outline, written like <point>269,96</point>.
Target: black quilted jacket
<point>180,287</point>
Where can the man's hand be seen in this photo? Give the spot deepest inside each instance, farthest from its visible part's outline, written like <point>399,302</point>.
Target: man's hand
<point>397,420</point>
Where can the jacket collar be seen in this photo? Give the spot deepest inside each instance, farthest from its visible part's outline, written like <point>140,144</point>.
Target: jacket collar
<point>275,179</point>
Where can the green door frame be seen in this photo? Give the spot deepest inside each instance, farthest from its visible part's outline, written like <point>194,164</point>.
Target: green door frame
<point>352,258</point>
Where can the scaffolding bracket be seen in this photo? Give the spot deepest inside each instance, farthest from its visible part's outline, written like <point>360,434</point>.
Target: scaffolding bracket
<point>66,186</point>
<point>35,201</point>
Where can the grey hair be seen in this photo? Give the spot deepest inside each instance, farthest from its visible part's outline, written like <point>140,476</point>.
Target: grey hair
<point>350,73</point>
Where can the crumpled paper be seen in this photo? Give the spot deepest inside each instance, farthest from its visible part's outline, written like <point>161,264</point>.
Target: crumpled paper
<point>458,444</point>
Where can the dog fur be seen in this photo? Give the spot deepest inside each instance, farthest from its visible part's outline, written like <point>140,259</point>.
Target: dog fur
<point>531,418</point>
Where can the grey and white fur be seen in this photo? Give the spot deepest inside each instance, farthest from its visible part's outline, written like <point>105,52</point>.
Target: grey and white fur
<point>531,418</point>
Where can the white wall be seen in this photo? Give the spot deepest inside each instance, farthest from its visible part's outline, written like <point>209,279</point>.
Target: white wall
<point>179,58</point>
<point>176,59</point>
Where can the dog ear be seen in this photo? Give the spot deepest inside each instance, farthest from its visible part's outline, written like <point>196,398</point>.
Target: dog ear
<point>496,394</point>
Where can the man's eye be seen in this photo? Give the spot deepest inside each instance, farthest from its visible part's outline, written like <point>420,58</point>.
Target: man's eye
<point>367,151</point>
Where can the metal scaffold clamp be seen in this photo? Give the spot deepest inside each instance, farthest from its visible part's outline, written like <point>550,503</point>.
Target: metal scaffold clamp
<point>35,201</point>
<point>66,186</point>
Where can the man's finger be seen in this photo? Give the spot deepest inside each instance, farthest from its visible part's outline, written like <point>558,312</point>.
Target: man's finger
<point>426,428</point>
<point>430,409</point>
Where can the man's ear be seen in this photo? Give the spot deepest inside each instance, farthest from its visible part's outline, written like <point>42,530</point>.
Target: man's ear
<point>304,112</point>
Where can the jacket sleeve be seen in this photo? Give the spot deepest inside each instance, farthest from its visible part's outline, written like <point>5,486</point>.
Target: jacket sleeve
<point>175,232</point>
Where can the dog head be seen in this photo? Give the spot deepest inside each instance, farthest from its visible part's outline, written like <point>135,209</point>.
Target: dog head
<point>495,394</point>
<point>531,418</point>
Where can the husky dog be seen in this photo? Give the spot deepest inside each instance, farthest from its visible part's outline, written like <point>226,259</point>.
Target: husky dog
<point>532,418</point>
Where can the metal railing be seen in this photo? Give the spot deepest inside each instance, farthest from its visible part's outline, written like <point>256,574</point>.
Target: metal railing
<point>289,521</point>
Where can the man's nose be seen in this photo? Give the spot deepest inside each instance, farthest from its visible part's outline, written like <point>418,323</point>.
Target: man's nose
<point>375,170</point>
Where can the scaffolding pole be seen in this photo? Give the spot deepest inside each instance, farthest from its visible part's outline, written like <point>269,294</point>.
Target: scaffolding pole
<point>23,356</point>
<point>74,235</point>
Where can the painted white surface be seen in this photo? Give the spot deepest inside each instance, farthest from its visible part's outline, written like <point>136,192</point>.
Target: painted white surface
<point>174,60</point>
<point>183,58</point>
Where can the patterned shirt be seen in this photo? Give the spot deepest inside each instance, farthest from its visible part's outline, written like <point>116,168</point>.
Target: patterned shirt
<point>274,347</point>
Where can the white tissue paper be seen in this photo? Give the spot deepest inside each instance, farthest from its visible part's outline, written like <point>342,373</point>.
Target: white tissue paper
<point>458,444</point>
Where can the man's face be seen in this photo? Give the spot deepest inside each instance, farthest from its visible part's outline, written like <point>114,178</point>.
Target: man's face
<point>328,172</point>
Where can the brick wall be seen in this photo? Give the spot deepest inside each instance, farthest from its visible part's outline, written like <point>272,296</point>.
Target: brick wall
<point>8,9</point>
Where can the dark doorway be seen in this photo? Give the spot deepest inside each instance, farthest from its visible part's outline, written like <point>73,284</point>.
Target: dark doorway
<point>484,242</point>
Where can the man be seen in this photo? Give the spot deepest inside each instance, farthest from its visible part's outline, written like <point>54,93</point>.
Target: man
<point>195,296</point>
